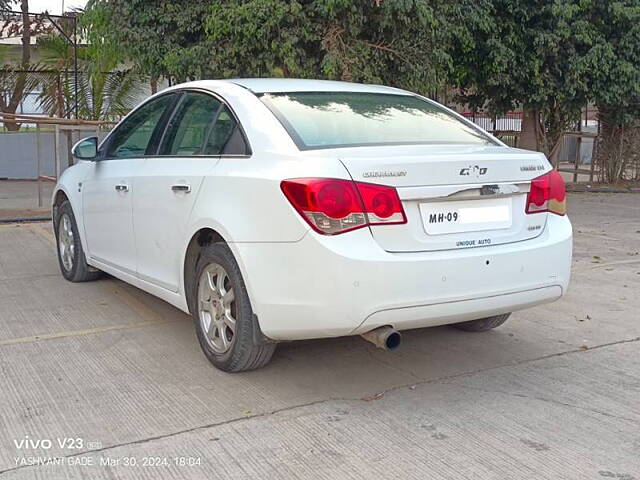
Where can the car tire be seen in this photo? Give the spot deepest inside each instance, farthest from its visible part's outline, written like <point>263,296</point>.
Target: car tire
<point>71,258</point>
<point>227,329</point>
<point>483,324</point>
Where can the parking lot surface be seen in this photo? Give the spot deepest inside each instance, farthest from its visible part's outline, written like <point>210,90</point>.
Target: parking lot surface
<point>19,199</point>
<point>554,393</point>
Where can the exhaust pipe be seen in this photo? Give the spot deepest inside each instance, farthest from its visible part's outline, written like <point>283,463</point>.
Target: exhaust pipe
<point>386,338</point>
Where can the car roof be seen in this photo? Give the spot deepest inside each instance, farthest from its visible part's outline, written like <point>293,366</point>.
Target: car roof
<point>275,85</point>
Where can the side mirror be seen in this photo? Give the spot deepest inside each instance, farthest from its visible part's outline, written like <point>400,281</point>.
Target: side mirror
<point>86,149</point>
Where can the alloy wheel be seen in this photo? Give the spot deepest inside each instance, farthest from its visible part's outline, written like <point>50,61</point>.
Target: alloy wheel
<point>66,242</point>
<point>217,308</point>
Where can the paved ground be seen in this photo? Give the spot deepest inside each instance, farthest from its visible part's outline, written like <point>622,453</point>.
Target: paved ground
<point>555,393</point>
<point>19,199</point>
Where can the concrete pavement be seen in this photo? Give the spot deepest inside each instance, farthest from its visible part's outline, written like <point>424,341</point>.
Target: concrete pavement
<point>19,199</point>
<point>554,393</point>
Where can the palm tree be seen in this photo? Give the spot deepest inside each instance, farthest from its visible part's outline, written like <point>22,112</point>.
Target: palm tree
<point>107,95</point>
<point>104,93</point>
<point>57,57</point>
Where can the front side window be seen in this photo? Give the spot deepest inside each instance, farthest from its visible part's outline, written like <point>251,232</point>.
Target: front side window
<point>351,119</point>
<point>187,130</point>
<point>133,136</point>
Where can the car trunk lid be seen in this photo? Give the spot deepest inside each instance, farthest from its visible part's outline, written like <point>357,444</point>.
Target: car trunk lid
<point>453,196</point>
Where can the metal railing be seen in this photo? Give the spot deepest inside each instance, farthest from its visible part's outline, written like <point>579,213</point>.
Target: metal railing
<point>50,141</point>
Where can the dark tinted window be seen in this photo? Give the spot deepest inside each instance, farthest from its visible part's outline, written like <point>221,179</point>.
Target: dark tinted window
<point>225,136</point>
<point>188,128</point>
<point>131,138</point>
<point>236,144</point>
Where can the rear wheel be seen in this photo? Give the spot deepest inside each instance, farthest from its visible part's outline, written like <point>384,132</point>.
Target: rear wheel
<point>483,324</point>
<point>73,263</point>
<point>227,329</point>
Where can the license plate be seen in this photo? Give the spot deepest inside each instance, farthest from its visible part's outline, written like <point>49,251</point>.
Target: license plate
<point>466,216</point>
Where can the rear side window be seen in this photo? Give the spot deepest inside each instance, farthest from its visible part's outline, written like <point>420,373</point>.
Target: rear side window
<point>132,137</point>
<point>225,137</point>
<point>351,119</point>
<point>187,130</point>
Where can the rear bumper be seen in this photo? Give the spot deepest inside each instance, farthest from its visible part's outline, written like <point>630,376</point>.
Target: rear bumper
<point>461,310</point>
<point>333,286</point>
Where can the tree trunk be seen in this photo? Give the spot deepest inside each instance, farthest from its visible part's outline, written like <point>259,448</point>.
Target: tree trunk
<point>11,125</point>
<point>617,147</point>
<point>543,131</point>
<point>21,78</point>
<point>555,125</point>
<point>154,85</point>
<point>60,97</point>
<point>531,131</point>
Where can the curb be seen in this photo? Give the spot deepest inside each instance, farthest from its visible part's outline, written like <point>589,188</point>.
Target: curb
<point>601,190</point>
<point>25,220</point>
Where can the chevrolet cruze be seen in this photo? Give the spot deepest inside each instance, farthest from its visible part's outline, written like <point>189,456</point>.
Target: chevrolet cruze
<point>280,209</point>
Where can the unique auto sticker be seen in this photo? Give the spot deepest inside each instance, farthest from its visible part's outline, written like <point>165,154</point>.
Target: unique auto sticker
<point>473,243</point>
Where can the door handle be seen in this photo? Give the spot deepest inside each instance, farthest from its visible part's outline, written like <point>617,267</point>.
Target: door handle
<point>121,187</point>
<point>184,188</point>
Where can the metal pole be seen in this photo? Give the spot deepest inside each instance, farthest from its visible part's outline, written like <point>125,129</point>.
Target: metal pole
<point>38,171</point>
<point>586,114</point>
<point>594,153</point>
<point>56,153</point>
<point>75,61</point>
<point>577,159</point>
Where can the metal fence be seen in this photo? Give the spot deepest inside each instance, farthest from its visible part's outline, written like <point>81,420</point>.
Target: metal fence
<point>511,122</point>
<point>578,148</point>
<point>40,151</point>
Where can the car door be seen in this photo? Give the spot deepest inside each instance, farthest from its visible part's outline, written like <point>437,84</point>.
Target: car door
<point>201,127</point>
<point>109,187</point>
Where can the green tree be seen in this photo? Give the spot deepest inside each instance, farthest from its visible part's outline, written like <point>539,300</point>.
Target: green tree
<point>107,94</point>
<point>104,92</point>
<point>395,42</point>
<point>529,53</point>
<point>613,64</point>
<point>162,38</point>
<point>262,38</point>
<point>374,41</point>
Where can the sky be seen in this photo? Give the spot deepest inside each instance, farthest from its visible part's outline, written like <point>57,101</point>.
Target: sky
<point>54,6</point>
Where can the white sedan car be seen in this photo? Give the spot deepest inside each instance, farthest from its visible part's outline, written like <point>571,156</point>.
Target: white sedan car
<point>282,209</point>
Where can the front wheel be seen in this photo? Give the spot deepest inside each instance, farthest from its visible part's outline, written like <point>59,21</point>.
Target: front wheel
<point>483,324</point>
<point>73,263</point>
<point>227,329</point>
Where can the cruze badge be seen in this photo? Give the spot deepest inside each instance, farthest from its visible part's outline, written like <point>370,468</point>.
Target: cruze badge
<point>399,173</point>
<point>473,170</point>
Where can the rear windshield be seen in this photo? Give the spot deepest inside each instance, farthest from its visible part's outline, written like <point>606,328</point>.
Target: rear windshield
<point>350,119</point>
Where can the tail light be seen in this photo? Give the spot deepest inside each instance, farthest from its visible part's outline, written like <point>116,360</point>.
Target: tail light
<point>332,206</point>
<point>547,194</point>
